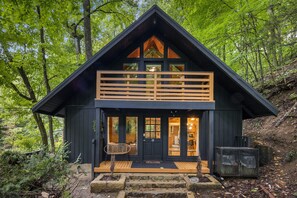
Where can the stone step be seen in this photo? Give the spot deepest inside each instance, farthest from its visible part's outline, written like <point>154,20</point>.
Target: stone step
<point>158,193</point>
<point>155,184</point>
<point>155,177</point>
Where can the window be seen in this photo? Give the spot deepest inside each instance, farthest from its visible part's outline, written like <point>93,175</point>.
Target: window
<point>174,136</point>
<point>131,134</point>
<point>153,128</point>
<point>176,67</point>
<point>193,134</point>
<point>135,53</point>
<point>153,48</point>
<point>113,129</point>
<point>130,67</point>
<point>172,54</point>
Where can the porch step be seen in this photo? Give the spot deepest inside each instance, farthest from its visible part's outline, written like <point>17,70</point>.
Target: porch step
<point>157,193</point>
<point>155,184</point>
<point>155,177</point>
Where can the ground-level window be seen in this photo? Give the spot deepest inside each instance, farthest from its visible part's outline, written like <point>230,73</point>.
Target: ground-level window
<point>192,136</point>
<point>113,129</point>
<point>153,128</point>
<point>131,133</point>
<point>174,136</point>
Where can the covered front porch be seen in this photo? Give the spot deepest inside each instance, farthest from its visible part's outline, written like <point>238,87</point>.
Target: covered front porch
<point>126,167</point>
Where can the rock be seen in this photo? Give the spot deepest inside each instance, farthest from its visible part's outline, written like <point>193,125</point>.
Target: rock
<point>228,194</point>
<point>45,194</point>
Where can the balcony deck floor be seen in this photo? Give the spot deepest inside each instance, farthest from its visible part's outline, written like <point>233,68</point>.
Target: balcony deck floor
<point>125,167</point>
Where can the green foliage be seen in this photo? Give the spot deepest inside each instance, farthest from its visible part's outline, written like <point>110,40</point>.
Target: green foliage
<point>38,172</point>
<point>253,37</point>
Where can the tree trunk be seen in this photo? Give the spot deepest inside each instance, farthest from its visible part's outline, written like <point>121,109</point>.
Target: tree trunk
<point>36,116</point>
<point>46,80</point>
<point>87,29</point>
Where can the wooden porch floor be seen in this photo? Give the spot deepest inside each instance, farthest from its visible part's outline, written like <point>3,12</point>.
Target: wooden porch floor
<point>125,167</point>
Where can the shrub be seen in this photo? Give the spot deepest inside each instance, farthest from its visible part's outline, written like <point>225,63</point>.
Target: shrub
<point>36,173</point>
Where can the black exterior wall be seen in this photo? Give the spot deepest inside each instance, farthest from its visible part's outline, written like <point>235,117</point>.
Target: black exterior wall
<point>80,130</point>
<point>80,126</point>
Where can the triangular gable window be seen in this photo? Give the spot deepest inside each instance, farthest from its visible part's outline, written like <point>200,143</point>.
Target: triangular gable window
<point>135,53</point>
<point>153,48</point>
<point>172,54</point>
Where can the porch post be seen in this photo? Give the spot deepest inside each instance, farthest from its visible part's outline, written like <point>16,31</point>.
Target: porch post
<point>98,145</point>
<point>210,140</point>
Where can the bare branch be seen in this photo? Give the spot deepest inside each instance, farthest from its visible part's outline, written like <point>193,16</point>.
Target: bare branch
<point>19,92</point>
<point>96,10</point>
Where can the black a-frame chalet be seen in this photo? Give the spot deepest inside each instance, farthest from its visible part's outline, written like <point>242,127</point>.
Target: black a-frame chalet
<point>157,89</point>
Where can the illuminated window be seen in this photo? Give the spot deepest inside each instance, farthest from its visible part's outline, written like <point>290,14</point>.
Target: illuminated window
<point>131,134</point>
<point>153,48</point>
<point>172,54</point>
<point>113,129</point>
<point>135,53</point>
<point>174,136</point>
<point>193,136</point>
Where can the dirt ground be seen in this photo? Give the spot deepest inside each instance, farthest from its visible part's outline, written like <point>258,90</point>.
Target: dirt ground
<point>80,183</point>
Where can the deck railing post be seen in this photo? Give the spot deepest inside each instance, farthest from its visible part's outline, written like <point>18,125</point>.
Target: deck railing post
<point>98,85</point>
<point>211,87</point>
<point>93,158</point>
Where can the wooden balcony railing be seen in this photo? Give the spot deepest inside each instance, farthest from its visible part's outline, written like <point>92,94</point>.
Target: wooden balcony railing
<point>155,86</point>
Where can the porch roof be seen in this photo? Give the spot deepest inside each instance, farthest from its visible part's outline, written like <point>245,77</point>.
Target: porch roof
<point>155,20</point>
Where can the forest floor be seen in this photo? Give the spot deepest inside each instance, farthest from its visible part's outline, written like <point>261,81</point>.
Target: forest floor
<point>279,177</point>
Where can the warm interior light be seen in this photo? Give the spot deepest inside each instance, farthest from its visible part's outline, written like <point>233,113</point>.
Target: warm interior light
<point>192,119</point>
<point>153,69</point>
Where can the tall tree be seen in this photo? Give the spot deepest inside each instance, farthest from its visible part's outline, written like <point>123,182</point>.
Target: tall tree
<point>87,28</point>
<point>45,77</point>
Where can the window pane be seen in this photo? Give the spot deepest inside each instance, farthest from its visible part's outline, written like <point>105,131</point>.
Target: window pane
<point>177,68</point>
<point>153,48</point>
<point>130,67</point>
<point>131,134</point>
<point>153,68</point>
<point>172,54</point>
<point>113,129</point>
<point>193,136</point>
<point>147,134</point>
<point>135,53</point>
<point>153,128</point>
<point>174,136</point>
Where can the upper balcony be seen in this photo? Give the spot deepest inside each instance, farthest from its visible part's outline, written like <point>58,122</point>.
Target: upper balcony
<point>155,86</point>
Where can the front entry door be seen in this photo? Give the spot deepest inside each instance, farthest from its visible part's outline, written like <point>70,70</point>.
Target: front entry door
<point>152,140</point>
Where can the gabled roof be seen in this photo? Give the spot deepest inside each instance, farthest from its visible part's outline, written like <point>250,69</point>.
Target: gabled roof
<point>155,19</point>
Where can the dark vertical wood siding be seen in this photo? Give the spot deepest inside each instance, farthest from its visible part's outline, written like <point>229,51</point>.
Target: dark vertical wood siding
<point>228,124</point>
<point>79,132</point>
